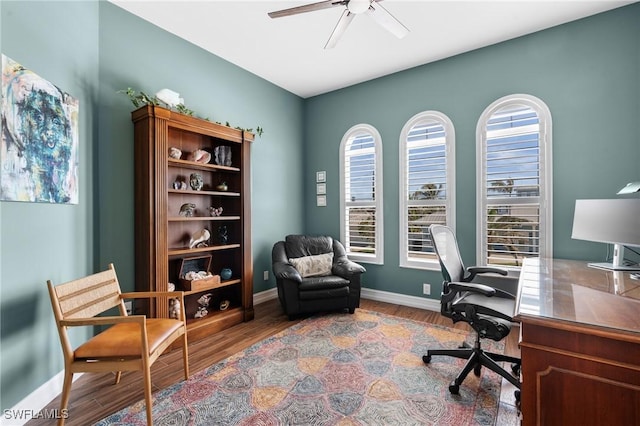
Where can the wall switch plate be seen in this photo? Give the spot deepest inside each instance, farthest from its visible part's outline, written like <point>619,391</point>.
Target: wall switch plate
<point>426,288</point>
<point>265,275</point>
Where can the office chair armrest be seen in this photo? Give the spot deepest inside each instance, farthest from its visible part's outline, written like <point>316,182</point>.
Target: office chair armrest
<point>485,290</point>
<point>476,270</point>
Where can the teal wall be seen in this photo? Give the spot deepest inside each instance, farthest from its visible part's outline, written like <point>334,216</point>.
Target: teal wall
<point>46,241</point>
<point>137,54</point>
<point>92,49</point>
<point>588,74</point>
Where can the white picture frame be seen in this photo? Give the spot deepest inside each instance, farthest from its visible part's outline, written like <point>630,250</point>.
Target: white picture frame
<point>321,188</point>
<point>321,200</point>
<point>321,176</point>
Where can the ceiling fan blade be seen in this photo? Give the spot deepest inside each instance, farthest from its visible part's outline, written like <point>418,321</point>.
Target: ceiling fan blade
<point>340,28</point>
<point>385,19</point>
<point>307,8</point>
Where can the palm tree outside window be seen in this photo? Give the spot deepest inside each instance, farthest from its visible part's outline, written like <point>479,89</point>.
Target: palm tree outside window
<point>427,179</point>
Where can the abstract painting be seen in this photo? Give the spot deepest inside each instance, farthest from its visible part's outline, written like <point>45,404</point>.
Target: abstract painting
<point>39,151</point>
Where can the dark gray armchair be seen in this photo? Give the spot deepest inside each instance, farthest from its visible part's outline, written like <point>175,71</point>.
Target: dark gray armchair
<point>325,279</point>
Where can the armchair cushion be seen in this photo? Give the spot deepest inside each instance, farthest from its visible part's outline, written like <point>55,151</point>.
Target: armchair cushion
<point>123,340</point>
<point>311,266</point>
<point>323,283</point>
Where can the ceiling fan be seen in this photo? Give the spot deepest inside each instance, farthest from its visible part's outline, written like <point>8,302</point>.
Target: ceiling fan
<point>353,8</point>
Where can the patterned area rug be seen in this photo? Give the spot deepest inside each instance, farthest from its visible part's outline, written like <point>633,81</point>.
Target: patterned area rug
<point>336,369</point>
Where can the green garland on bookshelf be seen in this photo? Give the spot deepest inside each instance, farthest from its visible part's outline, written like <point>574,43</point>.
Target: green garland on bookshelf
<point>140,98</point>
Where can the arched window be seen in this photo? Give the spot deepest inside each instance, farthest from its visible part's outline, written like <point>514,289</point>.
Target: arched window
<point>361,225</point>
<point>514,181</point>
<point>427,191</point>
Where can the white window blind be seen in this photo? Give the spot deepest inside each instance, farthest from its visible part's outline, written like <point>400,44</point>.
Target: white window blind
<point>361,194</point>
<point>427,192</point>
<point>515,222</point>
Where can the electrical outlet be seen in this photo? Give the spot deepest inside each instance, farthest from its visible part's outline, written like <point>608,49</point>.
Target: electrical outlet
<point>265,275</point>
<point>426,288</point>
<point>129,306</point>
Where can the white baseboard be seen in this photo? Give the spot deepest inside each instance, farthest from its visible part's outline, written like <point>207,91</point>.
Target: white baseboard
<point>32,405</point>
<point>264,296</point>
<point>367,293</point>
<point>39,398</point>
<point>401,299</point>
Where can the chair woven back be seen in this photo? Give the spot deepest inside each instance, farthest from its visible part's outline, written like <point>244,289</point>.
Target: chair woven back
<point>89,296</point>
<point>446,247</point>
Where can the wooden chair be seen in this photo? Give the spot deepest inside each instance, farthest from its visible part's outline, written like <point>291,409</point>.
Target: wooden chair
<point>132,342</point>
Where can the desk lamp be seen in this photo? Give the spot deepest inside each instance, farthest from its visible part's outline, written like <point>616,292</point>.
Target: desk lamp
<point>630,188</point>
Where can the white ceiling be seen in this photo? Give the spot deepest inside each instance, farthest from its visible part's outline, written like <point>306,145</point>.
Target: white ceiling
<point>289,51</point>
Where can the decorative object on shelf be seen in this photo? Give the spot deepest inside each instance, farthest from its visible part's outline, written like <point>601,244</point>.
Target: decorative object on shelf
<point>200,156</point>
<point>39,145</point>
<point>215,211</point>
<point>222,186</point>
<point>171,287</point>
<point>223,234</point>
<point>175,153</point>
<point>222,155</point>
<point>180,184</point>
<point>169,98</point>
<point>174,308</point>
<point>226,273</point>
<point>200,239</point>
<point>224,305</point>
<point>203,302</point>
<point>196,275</point>
<point>187,209</point>
<point>196,181</point>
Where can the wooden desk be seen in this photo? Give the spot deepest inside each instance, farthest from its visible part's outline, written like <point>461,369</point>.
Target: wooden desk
<point>580,344</point>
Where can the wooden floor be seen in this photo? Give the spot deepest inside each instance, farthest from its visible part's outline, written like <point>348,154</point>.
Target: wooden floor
<point>93,396</point>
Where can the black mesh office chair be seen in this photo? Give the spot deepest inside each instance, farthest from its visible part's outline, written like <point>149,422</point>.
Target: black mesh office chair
<point>488,310</point>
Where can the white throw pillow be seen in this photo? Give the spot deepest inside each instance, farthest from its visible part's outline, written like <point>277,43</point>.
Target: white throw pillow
<point>313,266</point>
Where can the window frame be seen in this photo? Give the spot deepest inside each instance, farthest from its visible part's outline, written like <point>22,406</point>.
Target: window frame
<point>544,199</point>
<point>407,261</point>
<point>378,257</point>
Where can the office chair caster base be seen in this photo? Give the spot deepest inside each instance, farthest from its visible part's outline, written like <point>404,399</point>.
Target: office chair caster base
<point>515,369</point>
<point>477,369</point>
<point>454,388</point>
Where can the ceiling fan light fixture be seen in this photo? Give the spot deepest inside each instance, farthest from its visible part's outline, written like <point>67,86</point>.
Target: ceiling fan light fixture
<point>358,6</point>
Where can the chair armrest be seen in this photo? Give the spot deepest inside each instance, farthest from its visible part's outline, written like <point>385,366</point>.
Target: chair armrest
<point>485,290</point>
<point>476,270</point>
<point>74,322</point>
<point>286,271</point>
<point>342,265</point>
<point>345,268</point>
<point>149,294</point>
